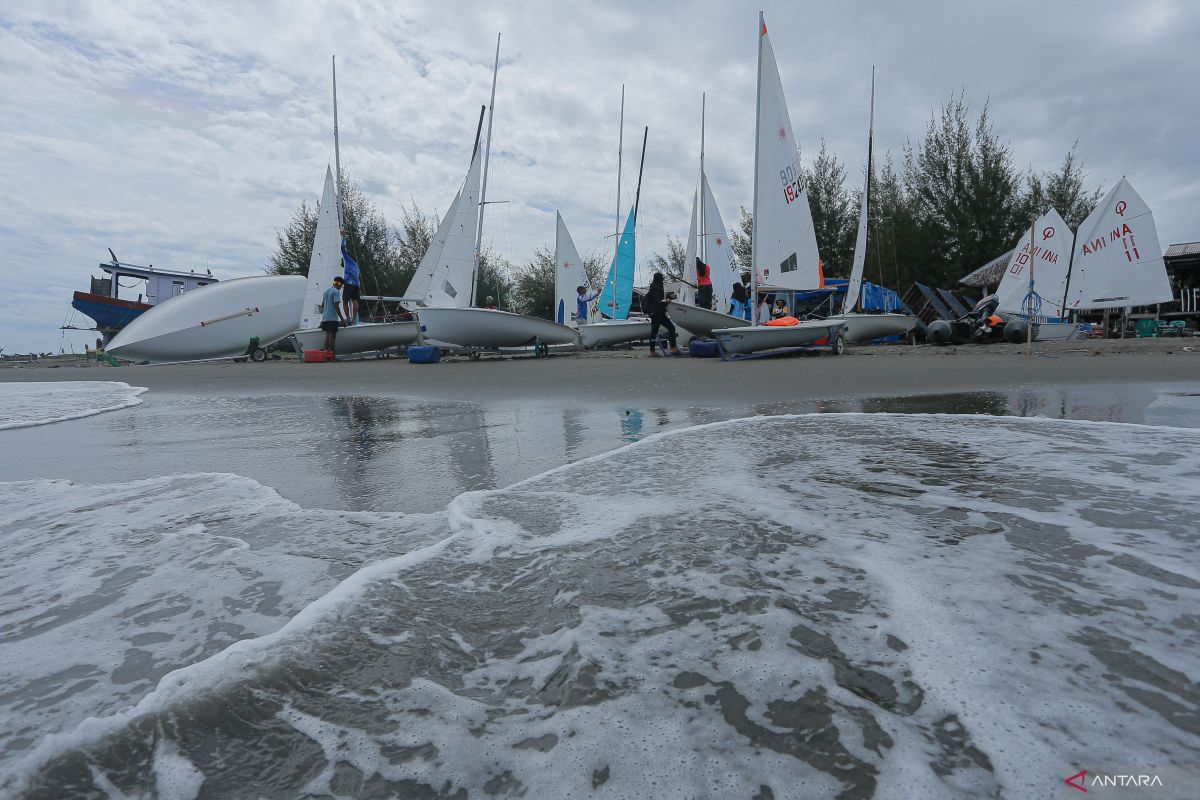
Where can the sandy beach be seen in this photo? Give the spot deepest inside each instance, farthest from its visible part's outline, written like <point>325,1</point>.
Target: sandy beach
<point>624,376</point>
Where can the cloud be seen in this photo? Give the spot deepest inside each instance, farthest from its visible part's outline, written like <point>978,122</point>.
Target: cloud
<point>184,134</point>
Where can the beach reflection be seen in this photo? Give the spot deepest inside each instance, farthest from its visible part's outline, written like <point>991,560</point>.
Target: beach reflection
<point>371,453</point>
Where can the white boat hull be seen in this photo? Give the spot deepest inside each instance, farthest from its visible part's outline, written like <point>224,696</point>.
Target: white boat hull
<point>361,338</point>
<point>1054,331</point>
<point>701,321</point>
<point>868,327</point>
<point>490,329</point>
<point>608,333</point>
<point>757,338</point>
<point>216,321</point>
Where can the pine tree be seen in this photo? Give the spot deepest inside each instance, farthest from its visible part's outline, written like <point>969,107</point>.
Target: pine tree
<point>1063,190</point>
<point>741,241</point>
<point>963,192</point>
<point>833,217</point>
<point>370,242</point>
<point>671,265</point>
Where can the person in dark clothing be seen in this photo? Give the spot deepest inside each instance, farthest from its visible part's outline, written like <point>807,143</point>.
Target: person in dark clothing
<point>738,305</point>
<point>654,303</point>
<point>704,289</point>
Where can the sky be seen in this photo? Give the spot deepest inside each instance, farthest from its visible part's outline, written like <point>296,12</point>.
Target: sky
<point>185,134</point>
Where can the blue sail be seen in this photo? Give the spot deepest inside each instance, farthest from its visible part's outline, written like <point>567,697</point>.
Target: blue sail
<point>623,265</point>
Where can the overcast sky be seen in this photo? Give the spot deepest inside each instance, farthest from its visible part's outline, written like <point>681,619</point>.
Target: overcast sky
<point>183,134</point>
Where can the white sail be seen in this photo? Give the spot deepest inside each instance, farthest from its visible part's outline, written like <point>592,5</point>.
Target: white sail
<point>687,287</point>
<point>450,284</point>
<point>1051,264</point>
<point>1118,261</point>
<point>418,287</point>
<point>785,243</point>
<point>568,275</point>
<point>718,252</point>
<point>326,259</point>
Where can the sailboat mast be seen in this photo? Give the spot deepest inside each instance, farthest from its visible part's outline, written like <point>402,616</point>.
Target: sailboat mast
<point>870,175</point>
<point>612,309</point>
<point>486,156</point>
<point>637,198</point>
<point>703,244</point>
<point>762,29</point>
<point>1029,310</point>
<point>337,153</point>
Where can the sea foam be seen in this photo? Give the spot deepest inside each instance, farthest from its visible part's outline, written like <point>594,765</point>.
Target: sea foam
<point>43,402</point>
<point>840,605</point>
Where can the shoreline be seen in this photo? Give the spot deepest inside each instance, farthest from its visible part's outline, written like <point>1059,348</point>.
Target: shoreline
<point>624,376</point>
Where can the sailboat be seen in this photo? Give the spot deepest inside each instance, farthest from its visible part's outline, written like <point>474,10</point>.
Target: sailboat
<point>325,263</point>
<point>711,245</point>
<point>1035,295</point>
<point>859,326</point>
<point>568,274</point>
<point>612,324</point>
<point>1116,259</point>
<point>449,316</point>
<point>784,243</point>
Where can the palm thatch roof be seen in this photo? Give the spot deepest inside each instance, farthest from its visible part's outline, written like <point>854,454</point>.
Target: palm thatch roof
<point>988,276</point>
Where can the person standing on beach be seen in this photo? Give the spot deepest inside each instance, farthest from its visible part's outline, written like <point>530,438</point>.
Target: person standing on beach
<point>704,289</point>
<point>654,303</point>
<point>352,294</point>
<point>738,301</point>
<point>331,312</point>
<point>583,297</point>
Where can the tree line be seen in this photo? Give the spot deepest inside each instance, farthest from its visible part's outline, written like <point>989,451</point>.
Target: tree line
<point>956,201</point>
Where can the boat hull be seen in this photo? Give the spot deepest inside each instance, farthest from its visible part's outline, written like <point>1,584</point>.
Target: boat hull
<point>108,313</point>
<point>490,329</point>
<point>217,321</point>
<point>701,321</point>
<point>1054,331</point>
<point>757,338</point>
<point>606,334</point>
<point>868,327</point>
<point>361,338</point>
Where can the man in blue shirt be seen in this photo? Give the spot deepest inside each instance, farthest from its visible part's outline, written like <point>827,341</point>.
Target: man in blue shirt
<point>583,297</point>
<point>352,293</point>
<point>331,312</point>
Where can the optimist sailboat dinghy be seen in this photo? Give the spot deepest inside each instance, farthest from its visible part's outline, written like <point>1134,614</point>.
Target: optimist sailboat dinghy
<point>449,316</point>
<point>783,228</point>
<point>710,245</point>
<point>864,327</point>
<point>1024,296</point>
<point>325,263</point>
<point>609,322</point>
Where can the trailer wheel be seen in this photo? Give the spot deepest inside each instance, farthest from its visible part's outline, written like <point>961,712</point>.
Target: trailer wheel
<point>839,345</point>
<point>258,355</point>
<point>474,356</point>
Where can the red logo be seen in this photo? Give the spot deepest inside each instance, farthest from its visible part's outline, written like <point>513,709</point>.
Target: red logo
<point>566,265</point>
<point>1078,776</point>
<point>1121,206</point>
<point>782,134</point>
<point>718,241</point>
<point>1047,233</point>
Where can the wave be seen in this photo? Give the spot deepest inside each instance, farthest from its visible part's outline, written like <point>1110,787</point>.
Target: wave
<point>941,606</point>
<point>24,405</point>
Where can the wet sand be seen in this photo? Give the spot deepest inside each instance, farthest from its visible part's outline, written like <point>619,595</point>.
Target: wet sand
<point>633,376</point>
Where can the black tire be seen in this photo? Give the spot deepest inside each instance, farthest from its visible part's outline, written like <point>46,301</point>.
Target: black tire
<point>474,356</point>
<point>839,345</point>
<point>258,355</point>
